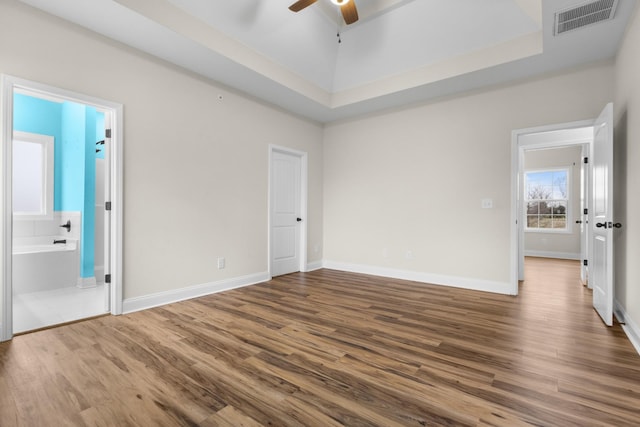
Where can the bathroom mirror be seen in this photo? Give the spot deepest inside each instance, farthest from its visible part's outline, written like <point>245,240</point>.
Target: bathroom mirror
<point>32,176</point>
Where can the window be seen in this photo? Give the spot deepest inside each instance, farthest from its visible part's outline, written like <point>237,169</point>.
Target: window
<point>547,200</point>
<point>32,175</point>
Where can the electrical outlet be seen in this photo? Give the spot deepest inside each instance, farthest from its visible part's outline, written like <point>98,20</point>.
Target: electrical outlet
<point>221,263</point>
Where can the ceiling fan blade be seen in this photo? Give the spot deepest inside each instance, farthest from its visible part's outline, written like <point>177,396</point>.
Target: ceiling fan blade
<point>349,12</point>
<point>301,4</point>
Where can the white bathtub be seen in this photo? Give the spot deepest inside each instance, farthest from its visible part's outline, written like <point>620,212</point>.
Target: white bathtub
<point>40,265</point>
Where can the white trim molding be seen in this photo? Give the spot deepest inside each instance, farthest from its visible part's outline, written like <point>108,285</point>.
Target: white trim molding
<point>144,302</point>
<point>422,277</point>
<point>6,136</point>
<point>628,325</point>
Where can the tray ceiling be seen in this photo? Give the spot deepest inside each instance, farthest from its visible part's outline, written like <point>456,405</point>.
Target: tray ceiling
<point>400,51</point>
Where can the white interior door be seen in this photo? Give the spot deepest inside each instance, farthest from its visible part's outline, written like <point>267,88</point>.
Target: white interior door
<point>601,216</point>
<point>285,213</point>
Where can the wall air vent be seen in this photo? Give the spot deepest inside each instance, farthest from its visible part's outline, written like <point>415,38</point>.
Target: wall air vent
<point>584,14</point>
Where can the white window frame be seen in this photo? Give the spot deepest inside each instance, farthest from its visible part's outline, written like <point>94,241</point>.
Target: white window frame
<point>567,228</point>
<point>47,142</point>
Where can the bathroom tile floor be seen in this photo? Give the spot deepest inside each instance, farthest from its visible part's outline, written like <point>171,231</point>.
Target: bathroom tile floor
<point>41,309</point>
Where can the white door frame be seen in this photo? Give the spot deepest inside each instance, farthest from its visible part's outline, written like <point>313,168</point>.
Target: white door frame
<point>115,110</point>
<point>518,148</point>
<point>303,204</point>
<point>585,194</point>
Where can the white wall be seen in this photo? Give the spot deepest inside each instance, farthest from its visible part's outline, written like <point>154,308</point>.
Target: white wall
<point>627,176</point>
<point>195,167</point>
<point>413,179</point>
<point>553,244</point>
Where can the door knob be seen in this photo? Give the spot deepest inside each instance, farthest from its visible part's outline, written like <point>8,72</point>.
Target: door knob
<point>608,225</point>
<point>298,219</point>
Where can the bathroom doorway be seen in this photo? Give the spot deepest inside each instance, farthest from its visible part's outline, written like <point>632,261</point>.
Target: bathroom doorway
<point>59,198</point>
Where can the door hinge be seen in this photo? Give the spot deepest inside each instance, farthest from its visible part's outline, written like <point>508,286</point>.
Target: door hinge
<point>107,278</point>
<point>107,206</point>
<point>107,133</point>
<point>586,211</point>
<point>586,160</point>
<point>585,262</point>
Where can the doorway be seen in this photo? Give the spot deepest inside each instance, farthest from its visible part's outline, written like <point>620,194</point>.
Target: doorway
<point>287,211</point>
<point>534,144</point>
<point>554,200</point>
<point>598,135</point>
<point>62,220</point>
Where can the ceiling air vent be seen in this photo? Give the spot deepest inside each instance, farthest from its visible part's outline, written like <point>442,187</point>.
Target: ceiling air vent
<point>584,14</point>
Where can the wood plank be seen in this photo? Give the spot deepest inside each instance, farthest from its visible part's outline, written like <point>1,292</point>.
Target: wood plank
<point>332,348</point>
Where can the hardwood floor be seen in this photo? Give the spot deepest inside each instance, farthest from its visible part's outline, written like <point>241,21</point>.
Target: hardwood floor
<point>329,348</point>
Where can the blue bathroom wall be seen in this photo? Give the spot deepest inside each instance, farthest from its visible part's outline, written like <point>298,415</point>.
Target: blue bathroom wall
<point>71,163</point>
<point>74,128</point>
<point>89,210</point>
<point>78,166</point>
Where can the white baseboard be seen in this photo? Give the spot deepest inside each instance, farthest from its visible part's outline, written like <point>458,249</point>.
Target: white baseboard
<point>552,254</point>
<point>316,265</point>
<point>130,305</point>
<point>630,327</point>
<point>417,276</point>
<point>86,282</point>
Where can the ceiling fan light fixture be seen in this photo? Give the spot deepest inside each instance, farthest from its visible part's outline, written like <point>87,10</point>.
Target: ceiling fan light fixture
<point>339,2</point>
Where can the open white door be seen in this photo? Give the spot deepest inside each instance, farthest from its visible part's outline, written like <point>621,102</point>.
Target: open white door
<point>601,216</point>
<point>285,213</point>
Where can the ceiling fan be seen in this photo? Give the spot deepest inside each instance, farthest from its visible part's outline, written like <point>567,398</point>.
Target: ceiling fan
<point>347,7</point>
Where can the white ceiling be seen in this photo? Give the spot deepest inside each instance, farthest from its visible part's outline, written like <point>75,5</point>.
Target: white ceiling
<point>399,52</point>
